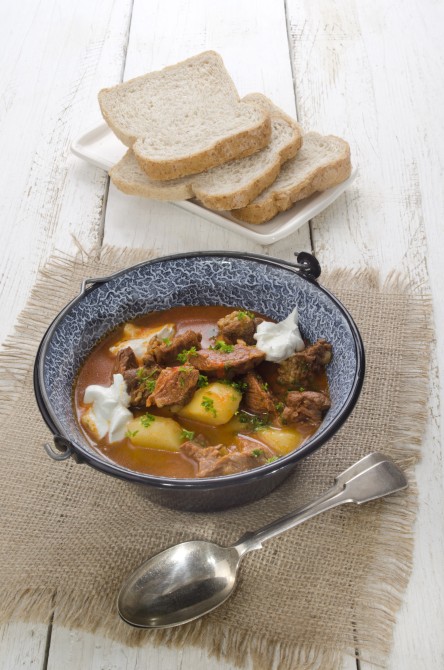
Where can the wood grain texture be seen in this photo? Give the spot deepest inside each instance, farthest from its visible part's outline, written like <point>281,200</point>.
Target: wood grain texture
<point>22,646</point>
<point>75,650</point>
<point>372,72</point>
<point>55,56</point>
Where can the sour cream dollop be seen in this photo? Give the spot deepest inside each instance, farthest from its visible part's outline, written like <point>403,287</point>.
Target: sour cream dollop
<point>140,344</point>
<point>280,340</point>
<point>109,412</point>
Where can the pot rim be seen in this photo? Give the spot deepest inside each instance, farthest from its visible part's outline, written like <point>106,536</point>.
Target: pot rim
<point>81,454</point>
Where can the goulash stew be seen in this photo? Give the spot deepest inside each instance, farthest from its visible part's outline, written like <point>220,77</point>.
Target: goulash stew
<point>202,392</point>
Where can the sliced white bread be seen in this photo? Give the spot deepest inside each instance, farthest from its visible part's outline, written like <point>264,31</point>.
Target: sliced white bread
<point>228,186</point>
<point>322,162</point>
<point>185,118</point>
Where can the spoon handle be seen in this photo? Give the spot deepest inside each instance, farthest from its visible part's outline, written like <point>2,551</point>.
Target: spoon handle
<point>371,477</point>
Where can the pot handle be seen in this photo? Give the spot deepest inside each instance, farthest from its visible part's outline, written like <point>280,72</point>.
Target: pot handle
<point>62,449</point>
<point>307,264</point>
<point>87,283</point>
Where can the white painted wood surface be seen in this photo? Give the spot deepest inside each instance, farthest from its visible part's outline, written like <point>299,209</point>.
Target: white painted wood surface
<point>55,57</point>
<point>371,72</point>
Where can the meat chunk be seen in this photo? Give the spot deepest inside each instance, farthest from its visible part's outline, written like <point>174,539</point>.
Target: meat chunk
<point>198,440</point>
<point>140,383</point>
<point>222,460</point>
<point>174,386</point>
<point>125,360</point>
<point>165,353</point>
<point>204,456</point>
<point>305,407</point>
<point>238,325</point>
<point>218,363</point>
<point>257,398</point>
<point>299,369</point>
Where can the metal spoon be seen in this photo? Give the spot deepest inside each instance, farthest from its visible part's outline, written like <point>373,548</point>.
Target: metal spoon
<point>190,579</point>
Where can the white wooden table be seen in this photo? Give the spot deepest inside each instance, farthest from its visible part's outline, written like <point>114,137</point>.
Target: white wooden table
<point>369,71</point>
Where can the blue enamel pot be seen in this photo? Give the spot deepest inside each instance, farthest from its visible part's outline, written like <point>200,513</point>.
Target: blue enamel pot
<point>260,283</point>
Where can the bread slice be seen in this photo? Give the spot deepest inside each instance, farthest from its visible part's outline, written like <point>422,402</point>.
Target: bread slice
<point>185,118</point>
<point>227,186</point>
<point>322,162</point>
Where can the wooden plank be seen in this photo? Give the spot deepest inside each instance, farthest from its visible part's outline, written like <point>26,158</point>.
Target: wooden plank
<point>22,646</point>
<point>130,222</point>
<point>369,72</point>
<point>154,43</point>
<point>55,58</point>
<point>73,650</point>
<point>158,38</point>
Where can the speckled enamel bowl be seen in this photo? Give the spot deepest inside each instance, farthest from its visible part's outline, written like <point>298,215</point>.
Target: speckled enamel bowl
<point>259,283</point>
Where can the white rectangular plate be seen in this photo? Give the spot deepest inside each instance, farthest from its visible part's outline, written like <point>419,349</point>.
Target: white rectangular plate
<point>101,147</point>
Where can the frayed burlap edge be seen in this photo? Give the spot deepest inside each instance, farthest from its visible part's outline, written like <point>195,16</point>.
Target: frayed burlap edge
<point>373,634</point>
<point>43,305</point>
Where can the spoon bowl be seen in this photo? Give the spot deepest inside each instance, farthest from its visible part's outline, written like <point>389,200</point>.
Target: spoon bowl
<point>178,585</point>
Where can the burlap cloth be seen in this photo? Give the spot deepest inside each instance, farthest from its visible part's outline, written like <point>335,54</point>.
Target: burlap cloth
<point>329,588</point>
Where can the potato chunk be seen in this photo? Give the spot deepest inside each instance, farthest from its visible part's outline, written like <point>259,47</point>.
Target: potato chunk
<point>281,440</point>
<point>155,432</point>
<point>214,404</point>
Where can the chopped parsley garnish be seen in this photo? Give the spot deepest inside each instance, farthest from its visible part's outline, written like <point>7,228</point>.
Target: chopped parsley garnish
<point>280,406</point>
<point>150,385</point>
<point>238,386</point>
<point>184,370</point>
<point>301,389</point>
<point>202,381</point>
<point>187,434</point>
<point>254,422</point>
<point>183,356</point>
<point>208,405</point>
<point>272,459</point>
<point>147,419</point>
<point>257,452</point>
<point>144,377</point>
<point>222,346</point>
<point>166,341</point>
<point>265,386</point>
<point>244,315</point>
<point>131,433</point>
